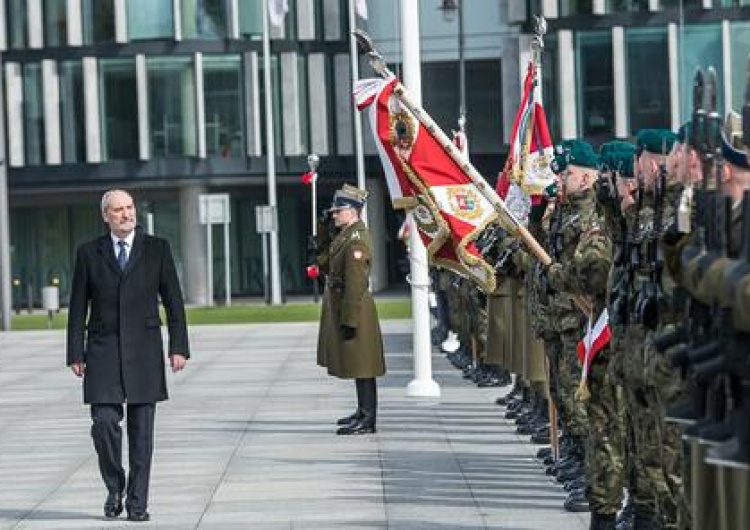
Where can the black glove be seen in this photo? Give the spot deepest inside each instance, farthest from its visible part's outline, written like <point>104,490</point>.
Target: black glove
<point>348,332</point>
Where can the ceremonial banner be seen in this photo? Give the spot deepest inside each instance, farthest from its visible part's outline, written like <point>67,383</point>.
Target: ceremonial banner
<point>594,341</point>
<point>448,208</point>
<point>527,170</point>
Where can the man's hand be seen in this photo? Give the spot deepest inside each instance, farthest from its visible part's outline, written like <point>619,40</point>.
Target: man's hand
<point>78,368</point>
<point>177,362</point>
<point>348,332</point>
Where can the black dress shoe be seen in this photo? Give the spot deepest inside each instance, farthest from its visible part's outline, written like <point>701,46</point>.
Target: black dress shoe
<point>360,426</point>
<point>113,505</point>
<point>349,419</point>
<point>139,517</point>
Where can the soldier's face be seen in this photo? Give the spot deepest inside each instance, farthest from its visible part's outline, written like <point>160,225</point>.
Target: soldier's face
<point>625,188</point>
<point>344,216</point>
<point>120,214</point>
<point>574,179</point>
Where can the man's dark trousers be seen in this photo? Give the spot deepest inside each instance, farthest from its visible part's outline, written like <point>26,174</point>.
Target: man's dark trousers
<point>107,436</point>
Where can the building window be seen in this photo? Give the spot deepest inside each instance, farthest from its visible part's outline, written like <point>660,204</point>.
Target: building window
<point>222,89</point>
<point>549,74</point>
<point>647,61</point>
<point>171,101</point>
<point>150,19</point>
<point>204,19</point>
<point>251,19</point>
<point>484,123</point>
<point>17,22</point>
<point>119,109</point>
<point>700,46</point>
<point>682,4</point>
<point>33,110</point>
<point>576,7</point>
<point>72,112</point>
<point>98,21</point>
<point>55,22</point>
<point>740,41</point>
<point>596,95</point>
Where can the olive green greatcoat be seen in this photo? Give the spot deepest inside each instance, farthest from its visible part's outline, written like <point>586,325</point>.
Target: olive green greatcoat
<point>347,302</point>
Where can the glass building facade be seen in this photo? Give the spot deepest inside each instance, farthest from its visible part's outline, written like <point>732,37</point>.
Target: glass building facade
<point>166,98</point>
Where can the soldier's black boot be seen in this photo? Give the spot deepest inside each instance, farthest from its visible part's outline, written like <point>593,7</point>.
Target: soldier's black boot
<point>603,521</point>
<point>368,405</point>
<point>346,420</point>
<point>577,501</point>
<point>646,521</point>
<point>364,425</point>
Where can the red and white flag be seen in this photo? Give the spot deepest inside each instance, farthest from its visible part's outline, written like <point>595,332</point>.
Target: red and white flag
<point>528,169</point>
<point>277,10</point>
<point>448,208</point>
<point>310,178</point>
<point>594,341</point>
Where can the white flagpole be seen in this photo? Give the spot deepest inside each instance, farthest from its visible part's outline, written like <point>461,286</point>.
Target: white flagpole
<point>271,162</point>
<point>422,385</point>
<point>358,145</point>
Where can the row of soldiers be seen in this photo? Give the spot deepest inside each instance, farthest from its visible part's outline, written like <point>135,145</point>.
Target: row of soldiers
<point>655,234</point>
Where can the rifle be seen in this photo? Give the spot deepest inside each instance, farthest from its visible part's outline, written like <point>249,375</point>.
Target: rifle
<point>629,260</point>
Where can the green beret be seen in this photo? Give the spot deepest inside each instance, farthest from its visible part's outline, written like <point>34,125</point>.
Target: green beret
<point>657,141</point>
<point>618,156</point>
<point>580,153</point>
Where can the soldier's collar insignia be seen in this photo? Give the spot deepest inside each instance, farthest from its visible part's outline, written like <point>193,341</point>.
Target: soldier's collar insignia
<point>355,236</point>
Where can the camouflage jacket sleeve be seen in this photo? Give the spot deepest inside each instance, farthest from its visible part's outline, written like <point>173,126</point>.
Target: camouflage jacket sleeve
<point>588,271</point>
<point>704,279</point>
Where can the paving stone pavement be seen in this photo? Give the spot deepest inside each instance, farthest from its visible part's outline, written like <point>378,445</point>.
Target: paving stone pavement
<point>247,442</point>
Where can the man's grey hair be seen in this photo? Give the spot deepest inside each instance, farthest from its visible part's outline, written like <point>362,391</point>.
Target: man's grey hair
<point>108,195</point>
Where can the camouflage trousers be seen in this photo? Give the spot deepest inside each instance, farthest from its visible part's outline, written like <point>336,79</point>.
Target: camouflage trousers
<point>655,446</point>
<point>569,380</point>
<point>605,444</point>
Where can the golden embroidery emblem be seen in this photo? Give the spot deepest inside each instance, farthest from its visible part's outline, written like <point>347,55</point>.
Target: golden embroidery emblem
<point>464,203</point>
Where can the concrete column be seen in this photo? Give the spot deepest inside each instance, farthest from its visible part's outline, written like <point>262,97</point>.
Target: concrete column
<point>194,250</point>
<point>75,24</point>
<point>34,23</point>
<point>550,9</point>
<point>599,7</point>
<point>332,20</point>
<point>674,74</point>
<point>51,98</point>
<point>121,22</point>
<point>343,112</point>
<point>567,69</point>
<point>305,19</point>
<point>622,126</point>
<point>3,28</point>
<point>290,107</point>
<point>200,107</point>
<point>14,118</point>
<point>376,205</point>
<point>177,14</point>
<point>726,59</point>
<point>91,108</point>
<point>252,103</point>
<point>141,80</point>
<point>189,114</point>
<point>318,109</point>
<point>233,19</point>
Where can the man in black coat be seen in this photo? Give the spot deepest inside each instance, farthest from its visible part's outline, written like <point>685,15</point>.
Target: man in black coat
<point>115,344</point>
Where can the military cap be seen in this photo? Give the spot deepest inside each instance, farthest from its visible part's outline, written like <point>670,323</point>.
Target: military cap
<point>732,148</point>
<point>580,153</point>
<point>349,197</point>
<point>617,156</point>
<point>656,141</point>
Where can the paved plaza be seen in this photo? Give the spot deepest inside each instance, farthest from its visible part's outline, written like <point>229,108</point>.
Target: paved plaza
<point>247,442</point>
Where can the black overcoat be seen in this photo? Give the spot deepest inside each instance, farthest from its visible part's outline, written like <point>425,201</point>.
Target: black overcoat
<point>114,323</point>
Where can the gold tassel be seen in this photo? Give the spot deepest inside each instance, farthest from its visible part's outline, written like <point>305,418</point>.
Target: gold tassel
<point>583,394</point>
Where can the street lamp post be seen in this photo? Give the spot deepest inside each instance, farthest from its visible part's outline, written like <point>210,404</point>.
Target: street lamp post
<point>313,161</point>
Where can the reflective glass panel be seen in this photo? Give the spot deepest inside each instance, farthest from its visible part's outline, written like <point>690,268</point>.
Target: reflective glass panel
<point>648,78</point>
<point>171,101</point>
<point>700,46</point>
<point>98,21</point>
<point>72,112</point>
<point>33,114</point>
<point>150,19</point>
<point>204,19</point>
<point>596,95</point>
<point>576,7</point>
<point>55,22</point>
<point>118,100</point>
<point>16,23</point>
<point>251,19</point>
<point>740,63</point>
<point>222,88</point>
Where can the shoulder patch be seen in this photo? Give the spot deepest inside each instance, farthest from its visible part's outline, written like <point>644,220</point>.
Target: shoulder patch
<point>355,236</point>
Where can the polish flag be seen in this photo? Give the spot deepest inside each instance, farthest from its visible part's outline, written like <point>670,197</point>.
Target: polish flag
<point>596,338</point>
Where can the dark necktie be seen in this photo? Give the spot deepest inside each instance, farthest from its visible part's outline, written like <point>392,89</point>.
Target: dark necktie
<point>122,254</point>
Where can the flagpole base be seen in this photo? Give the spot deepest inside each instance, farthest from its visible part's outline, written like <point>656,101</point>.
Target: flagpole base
<point>423,388</point>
